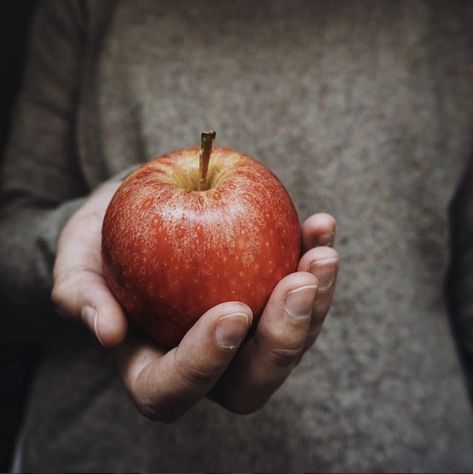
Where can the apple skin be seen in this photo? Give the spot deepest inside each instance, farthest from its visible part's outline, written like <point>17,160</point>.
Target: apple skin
<point>170,252</point>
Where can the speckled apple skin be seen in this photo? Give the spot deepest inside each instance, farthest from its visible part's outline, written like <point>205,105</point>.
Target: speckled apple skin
<point>170,254</point>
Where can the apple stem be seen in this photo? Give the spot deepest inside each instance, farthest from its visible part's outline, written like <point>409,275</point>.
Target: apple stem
<point>206,141</point>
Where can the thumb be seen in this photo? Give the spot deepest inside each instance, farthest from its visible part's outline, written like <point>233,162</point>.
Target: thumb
<point>165,386</point>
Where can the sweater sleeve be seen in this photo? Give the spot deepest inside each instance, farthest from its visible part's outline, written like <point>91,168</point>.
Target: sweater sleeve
<point>459,283</point>
<point>41,185</point>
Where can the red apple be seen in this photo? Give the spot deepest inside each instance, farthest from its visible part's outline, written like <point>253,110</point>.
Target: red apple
<point>183,234</point>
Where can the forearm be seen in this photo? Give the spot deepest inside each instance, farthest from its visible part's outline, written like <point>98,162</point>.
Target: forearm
<point>27,249</point>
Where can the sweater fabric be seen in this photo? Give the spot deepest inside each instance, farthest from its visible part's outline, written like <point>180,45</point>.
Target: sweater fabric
<point>363,109</point>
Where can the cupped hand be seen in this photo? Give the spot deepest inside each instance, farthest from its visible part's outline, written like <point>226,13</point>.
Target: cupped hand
<point>215,358</point>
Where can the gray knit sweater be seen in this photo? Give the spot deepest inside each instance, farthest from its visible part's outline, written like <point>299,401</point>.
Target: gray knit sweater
<point>364,109</point>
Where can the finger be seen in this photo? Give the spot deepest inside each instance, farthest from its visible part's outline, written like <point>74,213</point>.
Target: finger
<point>323,263</point>
<point>79,290</point>
<point>267,358</point>
<point>318,230</point>
<point>165,386</point>
<point>84,296</point>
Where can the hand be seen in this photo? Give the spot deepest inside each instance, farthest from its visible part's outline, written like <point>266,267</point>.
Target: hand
<point>214,359</point>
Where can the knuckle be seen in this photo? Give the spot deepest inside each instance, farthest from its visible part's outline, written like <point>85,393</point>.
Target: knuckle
<point>62,285</point>
<point>323,253</point>
<point>70,287</point>
<point>283,356</point>
<point>195,375</point>
<point>282,351</point>
<point>64,292</point>
<point>163,410</point>
<point>56,294</point>
<point>59,294</point>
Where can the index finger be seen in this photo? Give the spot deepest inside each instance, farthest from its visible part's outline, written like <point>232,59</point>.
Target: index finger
<point>79,290</point>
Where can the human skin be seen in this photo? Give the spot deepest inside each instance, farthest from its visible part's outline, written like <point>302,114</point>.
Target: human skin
<point>214,358</point>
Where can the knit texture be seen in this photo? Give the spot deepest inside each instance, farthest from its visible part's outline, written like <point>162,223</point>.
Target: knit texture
<point>364,110</point>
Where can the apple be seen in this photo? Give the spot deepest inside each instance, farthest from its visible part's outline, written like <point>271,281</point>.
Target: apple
<point>195,228</point>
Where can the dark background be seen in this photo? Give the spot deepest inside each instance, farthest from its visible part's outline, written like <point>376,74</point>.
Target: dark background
<point>17,360</point>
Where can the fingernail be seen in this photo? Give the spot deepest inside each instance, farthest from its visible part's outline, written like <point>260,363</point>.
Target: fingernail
<point>324,271</point>
<point>91,317</point>
<point>326,239</point>
<point>231,330</point>
<point>299,302</point>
